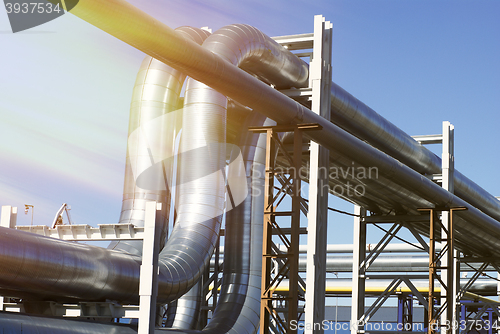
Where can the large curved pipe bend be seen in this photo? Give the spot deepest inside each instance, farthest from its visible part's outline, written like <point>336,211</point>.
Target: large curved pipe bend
<point>191,244</point>
<point>245,47</point>
<point>183,313</point>
<point>205,66</point>
<point>201,199</point>
<point>234,296</point>
<point>204,108</point>
<point>156,93</point>
<point>253,51</point>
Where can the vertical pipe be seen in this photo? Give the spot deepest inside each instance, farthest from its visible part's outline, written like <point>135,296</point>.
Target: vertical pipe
<point>156,94</point>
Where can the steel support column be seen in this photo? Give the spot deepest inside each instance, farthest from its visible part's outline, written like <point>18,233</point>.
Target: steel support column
<point>449,260</point>
<point>446,262</point>
<point>290,268</point>
<point>8,216</point>
<point>320,80</point>
<point>448,293</point>
<point>148,284</point>
<point>358,269</point>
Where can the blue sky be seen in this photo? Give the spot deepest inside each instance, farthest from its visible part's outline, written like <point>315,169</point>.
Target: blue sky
<point>65,88</point>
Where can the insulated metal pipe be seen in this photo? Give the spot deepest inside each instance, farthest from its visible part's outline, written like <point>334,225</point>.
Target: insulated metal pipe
<point>237,305</point>
<point>393,263</point>
<point>239,301</point>
<point>44,268</point>
<point>184,312</point>
<point>15,323</point>
<point>485,231</point>
<point>240,291</point>
<point>246,47</point>
<point>376,286</point>
<point>360,120</point>
<point>440,198</point>
<point>381,264</point>
<point>205,112</point>
<point>156,93</point>
<point>191,243</point>
<point>331,134</point>
<point>123,21</point>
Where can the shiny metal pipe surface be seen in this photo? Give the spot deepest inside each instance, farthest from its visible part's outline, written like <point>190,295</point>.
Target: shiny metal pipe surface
<point>247,48</point>
<point>51,269</point>
<point>394,263</point>
<point>250,49</point>
<point>389,168</point>
<point>240,293</point>
<point>238,310</point>
<point>383,263</point>
<point>360,120</point>
<point>485,233</point>
<point>156,92</point>
<point>205,112</point>
<point>188,249</point>
<point>233,296</point>
<point>242,236</point>
<point>242,87</point>
<point>184,312</point>
<point>17,323</point>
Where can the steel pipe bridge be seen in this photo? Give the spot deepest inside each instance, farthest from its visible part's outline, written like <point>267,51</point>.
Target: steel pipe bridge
<point>259,117</point>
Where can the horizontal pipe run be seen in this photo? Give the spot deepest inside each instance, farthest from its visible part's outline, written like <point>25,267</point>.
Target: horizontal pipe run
<point>392,263</point>
<point>138,29</point>
<point>360,120</point>
<point>343,286</point>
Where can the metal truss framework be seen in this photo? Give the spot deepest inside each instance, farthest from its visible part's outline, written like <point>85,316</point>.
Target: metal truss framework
<point>447,309</point>
<point>318,48</point>
<point>478,316</point>
<point>444,266</point>
<point>444,262</point>
<point>273,304</point>
<point>362,262</point>
<point>473,310</point>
